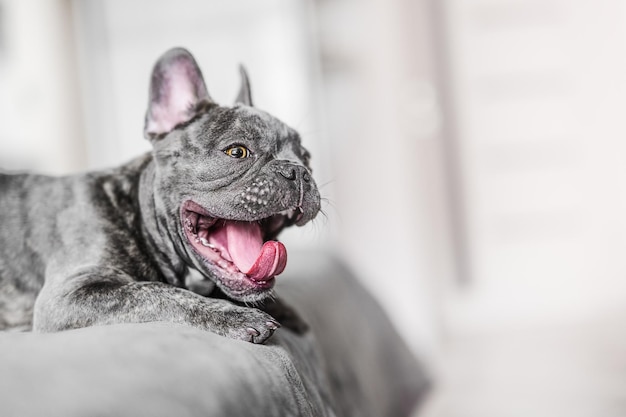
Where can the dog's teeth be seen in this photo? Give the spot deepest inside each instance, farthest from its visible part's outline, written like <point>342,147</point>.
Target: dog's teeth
<point>206,243</point>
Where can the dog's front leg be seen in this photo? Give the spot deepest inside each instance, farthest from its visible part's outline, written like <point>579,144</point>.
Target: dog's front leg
<point>100,295</point>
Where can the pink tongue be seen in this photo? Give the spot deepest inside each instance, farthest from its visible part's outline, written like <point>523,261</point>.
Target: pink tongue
<point>260,261</point>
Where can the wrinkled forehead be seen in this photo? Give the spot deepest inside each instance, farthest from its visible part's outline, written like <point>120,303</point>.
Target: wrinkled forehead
<point>252,125</point>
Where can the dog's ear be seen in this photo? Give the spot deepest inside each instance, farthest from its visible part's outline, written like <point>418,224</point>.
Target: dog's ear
<point>176,89</point>
<point>245,95</point>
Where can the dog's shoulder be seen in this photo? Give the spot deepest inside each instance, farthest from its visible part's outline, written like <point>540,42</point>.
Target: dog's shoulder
<point>114,189</point>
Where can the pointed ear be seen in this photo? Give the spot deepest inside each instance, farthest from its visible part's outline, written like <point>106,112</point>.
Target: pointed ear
<point>245,95</point>
<point>176,88</point>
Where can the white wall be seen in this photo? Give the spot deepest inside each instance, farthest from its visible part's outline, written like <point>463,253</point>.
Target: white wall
<point>540,92</point>
<point>40,109</point>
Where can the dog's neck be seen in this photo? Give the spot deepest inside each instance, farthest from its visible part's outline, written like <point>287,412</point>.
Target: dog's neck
<point>154,229</point>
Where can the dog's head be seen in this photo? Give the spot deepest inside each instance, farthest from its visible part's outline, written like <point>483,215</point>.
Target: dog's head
<point>227,179</point>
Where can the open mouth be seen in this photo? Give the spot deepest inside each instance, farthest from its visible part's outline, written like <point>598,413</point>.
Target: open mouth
<point>244,256</point>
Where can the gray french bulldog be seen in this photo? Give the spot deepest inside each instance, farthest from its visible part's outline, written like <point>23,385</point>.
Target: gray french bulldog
<point>185,234</point>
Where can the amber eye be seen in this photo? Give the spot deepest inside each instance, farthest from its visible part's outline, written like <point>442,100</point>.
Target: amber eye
<point>237,151</point>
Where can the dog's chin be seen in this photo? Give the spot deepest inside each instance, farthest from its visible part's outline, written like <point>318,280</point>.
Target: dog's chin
<point>238,286</point>
<point>242,257</point>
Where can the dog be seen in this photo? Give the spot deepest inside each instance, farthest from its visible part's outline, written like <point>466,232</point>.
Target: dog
<point>186,233</point>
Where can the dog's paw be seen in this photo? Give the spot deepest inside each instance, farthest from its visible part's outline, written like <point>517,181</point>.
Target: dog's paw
<point>248,324</point>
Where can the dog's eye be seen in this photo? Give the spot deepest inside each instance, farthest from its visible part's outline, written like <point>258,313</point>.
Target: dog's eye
<point>237,151</point>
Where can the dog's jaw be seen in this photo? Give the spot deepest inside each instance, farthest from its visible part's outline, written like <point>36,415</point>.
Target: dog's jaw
<point>242,257</point>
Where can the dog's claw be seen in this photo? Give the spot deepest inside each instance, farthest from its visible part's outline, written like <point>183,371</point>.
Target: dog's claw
<point>272,325</point>
<point>247,324</point>
<point>252,331</point>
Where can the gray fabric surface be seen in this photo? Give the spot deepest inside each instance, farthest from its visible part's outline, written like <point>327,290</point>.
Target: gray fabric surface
<point>352,363</point>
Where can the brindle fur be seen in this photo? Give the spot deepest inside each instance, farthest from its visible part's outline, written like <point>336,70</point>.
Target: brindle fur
<point>107,247</point>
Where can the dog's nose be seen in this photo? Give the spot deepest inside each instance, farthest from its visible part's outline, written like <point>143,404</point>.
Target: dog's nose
<point>294,172</point>
<point>288,173</point>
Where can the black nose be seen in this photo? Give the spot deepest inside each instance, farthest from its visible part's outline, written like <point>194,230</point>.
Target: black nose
<point>288,173</point>
<point>294,172</point>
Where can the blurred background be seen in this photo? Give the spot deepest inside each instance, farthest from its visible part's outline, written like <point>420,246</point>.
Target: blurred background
<point>472,153</point>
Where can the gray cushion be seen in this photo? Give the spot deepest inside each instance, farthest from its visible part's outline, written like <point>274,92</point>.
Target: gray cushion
<point>352,363</point>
